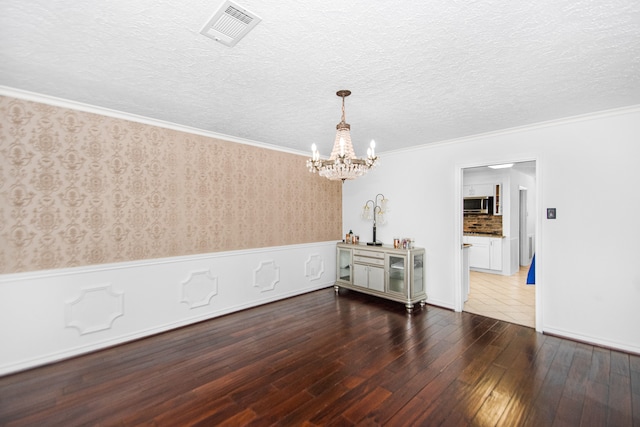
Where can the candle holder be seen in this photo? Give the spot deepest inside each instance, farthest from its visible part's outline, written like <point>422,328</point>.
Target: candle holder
<point>375,209</point>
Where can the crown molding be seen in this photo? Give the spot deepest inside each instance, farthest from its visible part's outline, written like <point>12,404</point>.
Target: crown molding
<point>87,108</point>
<point>540,125</point>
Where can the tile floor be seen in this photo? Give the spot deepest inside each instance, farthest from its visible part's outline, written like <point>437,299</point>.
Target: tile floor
<point>507,298</point>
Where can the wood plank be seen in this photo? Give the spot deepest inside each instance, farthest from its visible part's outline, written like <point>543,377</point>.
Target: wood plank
<point>569,411</point>
<point>594,411</point>
<point>544,407</point>
<point>326,359</point>
<point>619,405</point>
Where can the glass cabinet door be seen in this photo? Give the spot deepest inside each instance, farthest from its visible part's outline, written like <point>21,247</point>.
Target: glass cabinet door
<point>343,266</point>
<point>417,277</point>
<point>396,267</point>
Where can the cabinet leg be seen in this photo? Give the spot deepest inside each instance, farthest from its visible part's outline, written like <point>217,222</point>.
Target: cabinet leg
<point>409,307</point>
<point>336,288</point>
<point>423,303</point>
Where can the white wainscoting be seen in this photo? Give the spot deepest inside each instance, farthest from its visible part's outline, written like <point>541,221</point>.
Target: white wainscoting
<point>46,316</point>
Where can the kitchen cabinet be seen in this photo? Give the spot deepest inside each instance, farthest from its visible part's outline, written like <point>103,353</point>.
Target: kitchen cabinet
<point>384,271</point>
<point>465,271</point>
<point>479,253</point>
<point>485,252</point>
<point>495,254</point>
<point>478,190</point>
<point>497,199</point>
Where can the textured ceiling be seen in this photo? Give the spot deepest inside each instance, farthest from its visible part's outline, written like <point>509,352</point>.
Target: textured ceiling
<point>420,72</point>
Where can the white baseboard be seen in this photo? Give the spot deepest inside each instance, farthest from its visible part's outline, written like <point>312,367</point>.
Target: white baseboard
<point>47,316</point>
<point>439,303</point>
<point>588,339</point>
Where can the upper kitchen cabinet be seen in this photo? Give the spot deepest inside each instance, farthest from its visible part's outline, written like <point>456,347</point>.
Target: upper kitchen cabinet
<point>478,190</point>
<point>497,199</point>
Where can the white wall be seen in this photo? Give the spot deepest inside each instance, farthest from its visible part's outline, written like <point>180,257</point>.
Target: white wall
<point>588,283</point>
<point>50,315</point>
<point>519,179</point>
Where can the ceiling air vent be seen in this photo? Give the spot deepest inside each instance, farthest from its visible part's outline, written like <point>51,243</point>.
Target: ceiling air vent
<point>230,23</point>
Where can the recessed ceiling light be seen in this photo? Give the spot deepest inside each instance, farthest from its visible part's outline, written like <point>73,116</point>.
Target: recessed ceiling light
<point>502,166</point>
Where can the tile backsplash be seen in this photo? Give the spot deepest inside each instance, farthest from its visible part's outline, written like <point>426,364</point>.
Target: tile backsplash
<point>488,224</point>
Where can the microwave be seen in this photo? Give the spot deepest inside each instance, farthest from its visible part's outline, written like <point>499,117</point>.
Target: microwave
<point>478,205</point>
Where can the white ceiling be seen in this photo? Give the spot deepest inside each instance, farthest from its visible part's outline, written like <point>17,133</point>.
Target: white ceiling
<point>420,72</point>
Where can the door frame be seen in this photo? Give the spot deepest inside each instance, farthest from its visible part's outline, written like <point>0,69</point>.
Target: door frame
<point>458,191</point>
<point>523,223</point>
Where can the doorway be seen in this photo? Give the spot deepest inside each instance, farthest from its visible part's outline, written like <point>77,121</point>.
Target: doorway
<point>505,236</point>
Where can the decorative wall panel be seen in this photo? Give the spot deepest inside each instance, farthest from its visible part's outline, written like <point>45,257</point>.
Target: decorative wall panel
<point>199,288</point>
<point>266,276</point>
<point>75,310</point>
<point>314,267</point>
<point>78,188</point>
<point>95,309</point>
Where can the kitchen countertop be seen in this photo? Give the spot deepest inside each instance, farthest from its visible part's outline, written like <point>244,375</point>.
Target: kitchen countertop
<point>483,234</point>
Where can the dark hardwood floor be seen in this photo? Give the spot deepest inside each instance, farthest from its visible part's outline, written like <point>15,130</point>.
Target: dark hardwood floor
<point>322,359</point>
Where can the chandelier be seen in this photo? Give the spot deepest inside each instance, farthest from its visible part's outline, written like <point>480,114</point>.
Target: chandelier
<point>343,163</point>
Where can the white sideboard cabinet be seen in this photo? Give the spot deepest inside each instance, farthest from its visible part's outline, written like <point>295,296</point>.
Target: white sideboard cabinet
<point>394,274</point>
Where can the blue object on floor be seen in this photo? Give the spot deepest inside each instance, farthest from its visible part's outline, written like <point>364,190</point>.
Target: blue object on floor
<point>531,276</point>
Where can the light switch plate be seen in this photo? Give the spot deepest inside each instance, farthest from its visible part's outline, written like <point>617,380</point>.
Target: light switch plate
<point>551,213</point>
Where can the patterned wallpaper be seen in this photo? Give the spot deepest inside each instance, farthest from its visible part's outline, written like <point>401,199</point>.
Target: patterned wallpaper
<point>78,188</point>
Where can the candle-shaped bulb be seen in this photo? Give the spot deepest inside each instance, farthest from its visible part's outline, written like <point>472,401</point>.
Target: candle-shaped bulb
<point>373,146</point>
<point>369,152</point>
